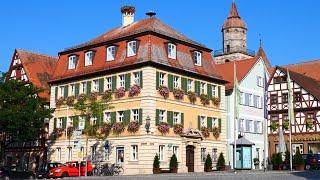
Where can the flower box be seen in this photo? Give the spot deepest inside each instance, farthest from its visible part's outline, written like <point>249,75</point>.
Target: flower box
<point>133,127</point>
<point>178,94</point>
<point>163,128</point>
<point>60,101</point>
<point>178,129</point>
<point>120,92</point>
<point>134,90</point>
<point>118,127</point>
<point>205,100</point>
<point>192,97</point>
<point>164,91</point>
<point>205,131</point>
<point>70,100</point>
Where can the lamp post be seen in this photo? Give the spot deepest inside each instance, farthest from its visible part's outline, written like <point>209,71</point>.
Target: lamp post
<point>147,126</point>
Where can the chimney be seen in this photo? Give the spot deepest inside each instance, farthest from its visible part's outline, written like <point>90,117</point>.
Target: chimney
<point>127,15</point>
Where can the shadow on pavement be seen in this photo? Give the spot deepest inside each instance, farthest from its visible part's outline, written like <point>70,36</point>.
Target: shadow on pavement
<point>307,174</point>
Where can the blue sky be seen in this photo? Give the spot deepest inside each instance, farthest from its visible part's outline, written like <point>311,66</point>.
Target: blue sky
<point>289,29</point>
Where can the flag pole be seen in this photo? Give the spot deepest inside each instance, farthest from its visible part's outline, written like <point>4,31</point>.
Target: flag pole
<point>235,116</point>
<point>291,114</point>
<point>265,128</point>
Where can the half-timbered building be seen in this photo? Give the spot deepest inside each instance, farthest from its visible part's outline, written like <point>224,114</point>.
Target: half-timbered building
<point>306,124</point>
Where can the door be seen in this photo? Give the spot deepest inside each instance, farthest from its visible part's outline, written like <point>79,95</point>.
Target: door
<point>190,158</point>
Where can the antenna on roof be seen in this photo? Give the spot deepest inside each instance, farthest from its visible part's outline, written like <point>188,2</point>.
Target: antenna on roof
<point>260,40</point>
<point>151,14</point>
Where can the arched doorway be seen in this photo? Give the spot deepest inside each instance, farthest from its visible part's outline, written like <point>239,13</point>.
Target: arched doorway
<point>190,158</point>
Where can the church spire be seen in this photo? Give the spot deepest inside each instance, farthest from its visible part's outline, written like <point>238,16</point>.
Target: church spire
<point>234,11</point>
<point>234,20</point>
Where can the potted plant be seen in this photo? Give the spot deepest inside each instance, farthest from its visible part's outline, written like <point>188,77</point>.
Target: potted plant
<point>60,101</point>
<point>118,127</point>
<point>134,90</point>
<point>156,165</point>
<point>309,123</point>
<point>178,129</point>
<point>163,128</point>
<point>286,124</point>
<point>221,164</point>
<point>205,100</point>
<point>274,126</point>
<point>178,94</point>
<point>298,161</point>
<point>216,132</point>
<point>107,95</point>
<point>82,98</point>
<point>216,101</point>
<point>256,162</point>
<point>120,92</point>
<point>205,131</point>
<point>133,127</point>
<point>276,160</point>
<point>93,96</point>
<point>208,164</point>
<point>173,164</point>
<point>70,100</point>
<point>105,129</point>
<point>164,91</point>
<point>192,97</point>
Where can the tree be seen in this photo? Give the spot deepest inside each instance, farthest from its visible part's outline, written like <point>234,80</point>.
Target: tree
<point>2,76</point>
<point>22,112</point>
<point>208,164</point>
<point>221,162</point>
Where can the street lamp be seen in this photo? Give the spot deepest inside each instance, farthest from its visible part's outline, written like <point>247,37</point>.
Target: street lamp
<point>147,126</point>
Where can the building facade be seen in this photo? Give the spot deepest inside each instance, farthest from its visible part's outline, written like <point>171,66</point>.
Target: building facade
<point>163,64</point>
<point>306,123</point>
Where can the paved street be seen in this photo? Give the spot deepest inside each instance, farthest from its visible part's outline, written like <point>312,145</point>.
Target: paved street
<point>282,175</point>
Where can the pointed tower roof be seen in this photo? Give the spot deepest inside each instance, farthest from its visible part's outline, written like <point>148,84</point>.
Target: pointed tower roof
<point>234,20</point>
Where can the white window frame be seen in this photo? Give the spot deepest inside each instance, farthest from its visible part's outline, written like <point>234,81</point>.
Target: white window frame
<point>172,51</point>
<point>107,117</point>
<point>93,153</point>
<point>131,48</point>
<point>120,116</point>
<point>58,154</point>
<point>69,158</point>
<point>203,154</point>
<point>117,154</point>
<point>88,58</point>
<point>108,83</point>
<point>61,90</point>
<point>176,82</point>
<point>203,121</point>
<point>250,125</point>
<point>82,122</point>
<point>215,122</point>
<point>162,78</point>
<point>242,98</point>
<point>161,152</point>
<point>72,89</point>
<point>84,87</point>
<point>135,115</point>
<point>72,63</point>
<point>197,58</point>
<point>251,100</point>
<point>134,152</point>
<point>259,81</point>
<point>214,91</point>
<point>136,78</point>
<point>162,115</point>
<point>176,118</point>
<point>202,88</point>
<point>60,122</point>
<point>95,85</point>
<point>111,53</point>
<point>122,80</point>
<point>175,150</point>
<point>190,85</point>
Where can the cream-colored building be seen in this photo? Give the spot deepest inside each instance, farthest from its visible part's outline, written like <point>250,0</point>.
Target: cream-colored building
<point>151,55</point>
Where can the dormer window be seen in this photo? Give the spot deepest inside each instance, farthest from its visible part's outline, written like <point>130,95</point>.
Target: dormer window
<point>111,53</point>
<point>131,48</point>
<point>72,62</point>
<point>88,57</point>
<point>172,51</point>
<point>197,58</point>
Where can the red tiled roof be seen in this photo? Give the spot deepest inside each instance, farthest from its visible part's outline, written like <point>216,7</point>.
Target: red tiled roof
<point>309,68</point>
<point>234,20</point>
<point>151,49</point>
<point>226,70</point>
<point>39,69</point>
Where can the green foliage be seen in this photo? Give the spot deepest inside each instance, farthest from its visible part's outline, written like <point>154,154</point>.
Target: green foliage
<point>221,161</point>
<point>156,161</point>
<point>2,77</point>
<point>21,108</point>
<point>173,162</point>
<point>208,162</point>
<point>287,156</point>
<point>276,159</point>
<point>298,159</point>
<point>274,125</point>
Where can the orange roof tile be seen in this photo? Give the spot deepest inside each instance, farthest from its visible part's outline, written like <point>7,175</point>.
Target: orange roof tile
<point>234,20</point>
<point>308,68</point>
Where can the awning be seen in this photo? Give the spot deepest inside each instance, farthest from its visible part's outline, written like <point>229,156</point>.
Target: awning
<point>243,141</point>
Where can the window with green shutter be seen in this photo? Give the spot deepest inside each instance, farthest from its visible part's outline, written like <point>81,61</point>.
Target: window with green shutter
<point>140,116</point>
<point>76,90</point>
<point>64,123</point>
<point>182,119</point>
<point>157,80</point>
<point>209,90</point>
<point>170,118</point>
<point>87,122</point>
<point>209,123</point>
<point>54,123</point>
<point>219,121</point>
<point>199,122</point>
<point>127,81</point>
<point>75,122</point>
<point>113,117</point>
<point>141,80</point>
<point>126,117</point>
<point>56,93</point>
<point>101,85</point>
<point>184,84</point>
<point>88,87</point>
<point>170,82</point>
<point>65,95</point>
<point>219,92</point>
<point>197,87</point>
<point>157,117</point>
<point>114,83</point>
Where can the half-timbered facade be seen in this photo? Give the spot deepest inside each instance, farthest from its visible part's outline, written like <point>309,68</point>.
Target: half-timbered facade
<point>165,66</point>
<point>306,124</point>
<point>36,69</point>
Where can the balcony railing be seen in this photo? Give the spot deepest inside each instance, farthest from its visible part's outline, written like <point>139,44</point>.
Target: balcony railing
<point>226,51</point>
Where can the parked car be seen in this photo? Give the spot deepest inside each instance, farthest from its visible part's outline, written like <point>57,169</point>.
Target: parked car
<point>14,172</point>
<point>43,171</point>
<point>71,169</point>
<point>312,161</point>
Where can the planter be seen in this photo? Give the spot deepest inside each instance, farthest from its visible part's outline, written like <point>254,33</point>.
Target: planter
<point>174,170</point>
<point>256,166</point>
<point>299,167</point>
<point>156,170</point>
<point>208,169</point>
<point>221,168</point>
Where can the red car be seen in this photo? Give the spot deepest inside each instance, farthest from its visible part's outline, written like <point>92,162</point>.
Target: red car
<point>71,169</point>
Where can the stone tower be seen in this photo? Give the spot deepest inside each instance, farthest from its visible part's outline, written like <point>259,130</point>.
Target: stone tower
<point>234,35</point>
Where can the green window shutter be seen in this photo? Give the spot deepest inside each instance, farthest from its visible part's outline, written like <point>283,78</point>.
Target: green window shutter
<point>126,117</point>
<point>170,118</point>
<point>140,116</point>
<point>219,92</point>
<point>101,85</point>
<point>170,82</point>
<point>209,123</point>
<point>64,123</point>
<point>100,119</point>
<point>209,90</point>
<point>88,87</point>
<point>127,81</point>
<point>76,122</point>
<point>65,95</point>
<point>87,122</point>
<point>157,117</point>
<point>54,123</point>
<point>197,87</point>
<point>184,85</point>
<point>114,83</point>
<point>77,87</point>
<point>219,121</point>
<point>182,119</point>
<point>113,117</point>
<point>157,80</point>
<point>141,80</point>
<point>56,93</point>
<point>199,123</point>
